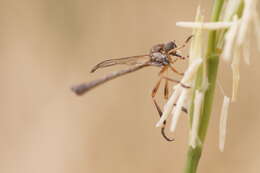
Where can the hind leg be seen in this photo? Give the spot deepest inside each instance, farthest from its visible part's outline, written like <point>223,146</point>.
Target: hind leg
<point>166,92</point>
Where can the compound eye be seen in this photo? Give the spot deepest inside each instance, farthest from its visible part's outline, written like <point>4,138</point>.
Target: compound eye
<point>169,46</point>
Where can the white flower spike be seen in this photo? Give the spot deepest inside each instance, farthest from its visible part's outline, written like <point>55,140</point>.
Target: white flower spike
<point>230,39</point>
<point>176,112</point>
<point>247,20</point>
<point>223,123</point>
<point>236,75</point>
<point>205,25</point>
<point>169,105</point>
<point>196,117</point>
<point>237,38</point>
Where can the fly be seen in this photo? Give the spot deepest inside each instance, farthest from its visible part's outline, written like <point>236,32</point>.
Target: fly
<point>161,55</point>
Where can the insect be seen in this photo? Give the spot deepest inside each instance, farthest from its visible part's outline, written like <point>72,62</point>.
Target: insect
<point>161,55</point>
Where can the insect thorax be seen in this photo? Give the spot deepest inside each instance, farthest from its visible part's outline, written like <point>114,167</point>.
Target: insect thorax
<point>157,48</point>
<point>159,59</point>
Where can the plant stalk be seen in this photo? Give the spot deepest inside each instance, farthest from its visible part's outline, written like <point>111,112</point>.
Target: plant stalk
<point>212,61</point>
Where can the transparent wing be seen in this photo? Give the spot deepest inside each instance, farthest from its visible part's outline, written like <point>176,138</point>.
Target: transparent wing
<point>85,87</point>
<point>132,60</point>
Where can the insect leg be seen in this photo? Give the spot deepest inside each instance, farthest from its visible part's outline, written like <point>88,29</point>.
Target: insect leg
<point>184,86</point>
<point>176,71</point>
<point>179,56</point>
<point>176,81</point>
<point>156,104</point>
<point>166,90</point>
<point>163,70</point>
<point>184,44</point>
<point>164,123</point>
<point>155,89</point>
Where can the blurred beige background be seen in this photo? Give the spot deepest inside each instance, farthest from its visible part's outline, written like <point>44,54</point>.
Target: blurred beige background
<point>46,46</point>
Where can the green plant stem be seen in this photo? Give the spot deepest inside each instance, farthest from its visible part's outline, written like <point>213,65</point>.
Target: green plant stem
<point>212,59</point>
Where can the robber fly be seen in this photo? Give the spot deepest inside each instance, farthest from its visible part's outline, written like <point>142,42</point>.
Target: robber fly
<point>160,55</point>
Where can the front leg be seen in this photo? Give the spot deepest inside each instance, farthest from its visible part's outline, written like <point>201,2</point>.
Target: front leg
<point>175,71</point>
<point>184,44</point>
<point>179,56</point>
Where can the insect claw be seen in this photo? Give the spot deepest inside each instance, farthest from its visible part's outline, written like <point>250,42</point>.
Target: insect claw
<point>165,136</point>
